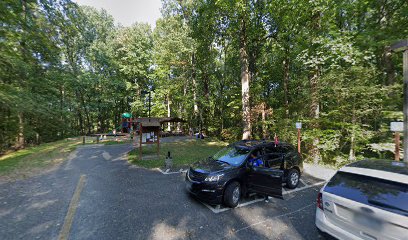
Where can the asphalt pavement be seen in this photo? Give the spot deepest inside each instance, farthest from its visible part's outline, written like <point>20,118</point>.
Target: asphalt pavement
<point>96,194</point>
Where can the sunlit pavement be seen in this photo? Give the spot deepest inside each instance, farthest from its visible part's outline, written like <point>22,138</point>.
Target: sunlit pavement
<point>120,201</point>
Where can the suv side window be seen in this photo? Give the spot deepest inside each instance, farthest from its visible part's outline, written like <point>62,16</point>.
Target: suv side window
<point>273,157</point>
<point>255,158</point>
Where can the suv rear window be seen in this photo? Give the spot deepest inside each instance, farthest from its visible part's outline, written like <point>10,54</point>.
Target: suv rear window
<point>387,195</point>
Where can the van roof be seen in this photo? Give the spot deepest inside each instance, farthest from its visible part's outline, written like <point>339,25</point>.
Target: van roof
<point>382,165</point>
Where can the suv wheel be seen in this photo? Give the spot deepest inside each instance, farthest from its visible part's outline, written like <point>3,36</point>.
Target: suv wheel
<point>232,194</point>
<point>293,179</point>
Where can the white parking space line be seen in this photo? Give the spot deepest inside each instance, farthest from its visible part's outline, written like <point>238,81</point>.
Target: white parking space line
<point>106,155</point>
<point>304,183</point>
<point>303,188</point>
<point>218,209</point>
<point>167,172</point>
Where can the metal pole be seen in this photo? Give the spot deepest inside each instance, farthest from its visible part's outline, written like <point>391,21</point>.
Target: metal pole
<point>405,69</point>
<point>397,146</point>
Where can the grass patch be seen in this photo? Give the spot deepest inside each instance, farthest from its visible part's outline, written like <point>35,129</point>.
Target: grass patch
<point>26,161</point>
<point>183,153</point>
<point>112,142</point>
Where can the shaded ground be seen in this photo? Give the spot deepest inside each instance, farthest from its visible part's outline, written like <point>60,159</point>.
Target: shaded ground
<point>34,160</point>
<point>121,201</point>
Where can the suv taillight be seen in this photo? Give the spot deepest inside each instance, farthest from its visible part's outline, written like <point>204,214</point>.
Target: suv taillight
<point>320,201</point>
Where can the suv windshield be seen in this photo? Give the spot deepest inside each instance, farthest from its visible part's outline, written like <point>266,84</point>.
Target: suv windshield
<point>380,193</point>
<point>232,155</point>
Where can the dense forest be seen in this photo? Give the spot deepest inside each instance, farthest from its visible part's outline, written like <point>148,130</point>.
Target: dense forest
<point>235,68</point>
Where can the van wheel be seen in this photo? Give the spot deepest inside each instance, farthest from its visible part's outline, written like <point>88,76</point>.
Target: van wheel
<point>232,194</point>
<point>292,179</point>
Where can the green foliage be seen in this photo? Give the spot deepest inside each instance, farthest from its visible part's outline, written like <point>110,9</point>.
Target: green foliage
<point>68,70</point>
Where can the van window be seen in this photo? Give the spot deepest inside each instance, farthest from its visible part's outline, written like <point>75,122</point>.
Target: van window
<point>387,195</point>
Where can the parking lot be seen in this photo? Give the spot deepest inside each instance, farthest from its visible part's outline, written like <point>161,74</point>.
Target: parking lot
<point>98,195</point>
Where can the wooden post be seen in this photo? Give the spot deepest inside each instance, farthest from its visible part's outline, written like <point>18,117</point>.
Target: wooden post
<point>158,143</point>
<point>298,126</point>
<point>97,139</point>
<point>298,140</point>
<point>397,146</point>
<point>140,143</point>
<point>83,140</point>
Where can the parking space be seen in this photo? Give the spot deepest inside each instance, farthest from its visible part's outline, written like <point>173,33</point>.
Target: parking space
<point>307,181</point>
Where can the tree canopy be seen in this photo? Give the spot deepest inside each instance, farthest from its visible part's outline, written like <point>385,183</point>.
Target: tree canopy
<point>235,69</point>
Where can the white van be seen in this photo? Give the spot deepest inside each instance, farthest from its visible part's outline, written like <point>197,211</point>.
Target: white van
<point>365,200</point>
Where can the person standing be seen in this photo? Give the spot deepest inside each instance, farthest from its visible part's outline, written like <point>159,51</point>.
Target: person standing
<point>276,140</point>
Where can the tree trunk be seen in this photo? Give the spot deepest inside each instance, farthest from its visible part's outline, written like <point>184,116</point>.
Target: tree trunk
<point>86,112</point>
<point>352,154</point>
<point>168,112</point>
<point>193,76</point>
<point>245,79</point>
<point>264,132</point>
<point>315,113</point>
<point>81,121</point>
<point>314,88</point>
<point>222,86</point>
<point>62,116</point>
<point>286,83</point>
<point>205,106</point>
<point>20,141</point>
<point>389,66</point>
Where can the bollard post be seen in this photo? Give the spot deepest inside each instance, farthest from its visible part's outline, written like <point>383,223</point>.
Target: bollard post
<point>298,141</point>
<point>83,140</point>
<point>97,139</point>
<point>169,161</point>
<point>397,127</point>
<point>397,146</point>
<point>298,126</point>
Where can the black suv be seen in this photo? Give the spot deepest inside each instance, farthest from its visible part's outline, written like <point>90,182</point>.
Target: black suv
<point>245,167</point>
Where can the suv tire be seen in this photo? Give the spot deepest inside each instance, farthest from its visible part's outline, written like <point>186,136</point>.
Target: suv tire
<point>292,180</point>
<point>232,194</point>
